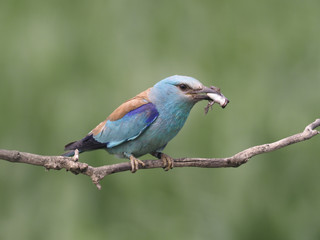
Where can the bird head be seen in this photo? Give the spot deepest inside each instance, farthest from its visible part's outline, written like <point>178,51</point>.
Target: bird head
<point>187,90</point>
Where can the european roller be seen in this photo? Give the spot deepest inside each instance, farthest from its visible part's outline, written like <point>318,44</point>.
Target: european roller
<point>147,122</point>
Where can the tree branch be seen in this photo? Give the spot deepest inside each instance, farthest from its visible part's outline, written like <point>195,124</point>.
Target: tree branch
<point>98,173</point>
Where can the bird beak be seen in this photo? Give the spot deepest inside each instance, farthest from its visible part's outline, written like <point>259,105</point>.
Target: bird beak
<point>211,94</point>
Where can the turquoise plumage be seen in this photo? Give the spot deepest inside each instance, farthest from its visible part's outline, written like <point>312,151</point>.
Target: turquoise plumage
<point>147,122</point>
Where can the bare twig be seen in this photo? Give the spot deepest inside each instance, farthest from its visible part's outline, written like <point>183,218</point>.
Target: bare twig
<point>98,173</point>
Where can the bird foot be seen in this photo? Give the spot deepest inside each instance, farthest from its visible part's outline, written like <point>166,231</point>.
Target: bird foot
<point>167,161</point>
<point>135,163</point>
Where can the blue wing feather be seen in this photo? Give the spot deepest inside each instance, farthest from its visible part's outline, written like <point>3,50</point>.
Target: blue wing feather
<point>129,127</point>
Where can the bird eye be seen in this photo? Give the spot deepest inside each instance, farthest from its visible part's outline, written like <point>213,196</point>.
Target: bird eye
<point>183,87</point>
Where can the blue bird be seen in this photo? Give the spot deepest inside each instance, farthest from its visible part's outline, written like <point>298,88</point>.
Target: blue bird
<point>146,123</point>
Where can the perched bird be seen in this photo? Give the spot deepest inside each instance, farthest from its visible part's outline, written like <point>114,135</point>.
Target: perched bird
<point>146,123</point>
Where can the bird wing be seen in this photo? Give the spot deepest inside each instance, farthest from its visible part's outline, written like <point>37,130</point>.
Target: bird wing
<point>127,122</point>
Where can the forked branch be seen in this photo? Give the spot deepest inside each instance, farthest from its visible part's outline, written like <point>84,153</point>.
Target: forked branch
<point>98,173</point>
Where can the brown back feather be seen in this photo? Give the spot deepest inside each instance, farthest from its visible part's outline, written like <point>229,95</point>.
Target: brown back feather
<point>123,109</point>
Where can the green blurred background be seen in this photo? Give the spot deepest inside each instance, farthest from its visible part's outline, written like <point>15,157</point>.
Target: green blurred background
<point>65,65</point>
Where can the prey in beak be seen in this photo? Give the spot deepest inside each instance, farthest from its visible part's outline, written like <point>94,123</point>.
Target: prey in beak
<point>213,95</point>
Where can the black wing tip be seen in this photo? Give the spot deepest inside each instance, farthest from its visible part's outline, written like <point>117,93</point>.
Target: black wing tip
<point>86,144</point>
<point>69,146</point>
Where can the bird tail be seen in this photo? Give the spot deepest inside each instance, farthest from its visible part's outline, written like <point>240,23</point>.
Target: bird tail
<point>85,144</point>
<point>69,153</point>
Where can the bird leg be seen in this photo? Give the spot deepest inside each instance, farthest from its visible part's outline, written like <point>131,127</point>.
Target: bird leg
<point>166,159</point>
<point>135,163</point>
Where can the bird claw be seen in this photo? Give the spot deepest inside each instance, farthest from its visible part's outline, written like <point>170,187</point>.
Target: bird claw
<point>167,162</point>
<point>135,163</point>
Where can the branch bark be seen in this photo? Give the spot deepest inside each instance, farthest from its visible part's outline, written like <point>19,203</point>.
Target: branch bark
<point>98,173</point>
